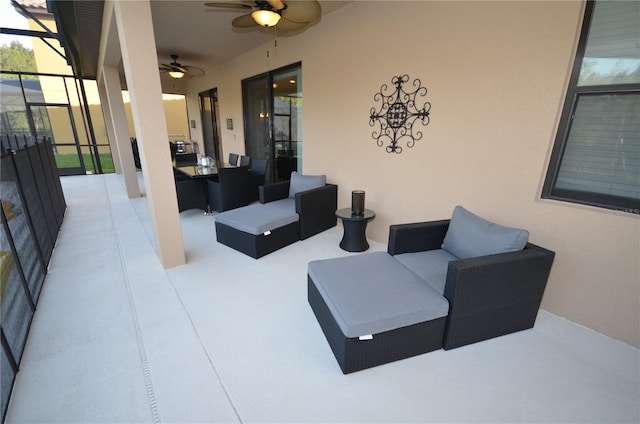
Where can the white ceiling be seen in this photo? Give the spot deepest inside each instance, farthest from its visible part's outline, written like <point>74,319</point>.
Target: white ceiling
<point>203,36</point>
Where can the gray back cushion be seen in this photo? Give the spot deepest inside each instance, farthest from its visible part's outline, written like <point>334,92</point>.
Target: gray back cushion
<point>300,183</point>
<point>470,236</point>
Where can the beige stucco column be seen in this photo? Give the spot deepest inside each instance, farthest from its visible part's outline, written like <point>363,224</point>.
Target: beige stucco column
<point>135,33</point>
<point>117,123</point>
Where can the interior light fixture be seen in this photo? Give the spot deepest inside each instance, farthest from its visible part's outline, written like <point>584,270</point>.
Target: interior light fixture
<point>176,74</point>
<point>265,17</point>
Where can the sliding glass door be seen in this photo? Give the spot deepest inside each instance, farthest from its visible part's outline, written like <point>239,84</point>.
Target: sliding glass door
<point>210,127</point>
<point>287,121</point>
<point>273,120</point>
<point>256,99</point>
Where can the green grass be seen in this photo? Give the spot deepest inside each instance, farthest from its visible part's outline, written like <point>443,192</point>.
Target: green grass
<point>72,161</point>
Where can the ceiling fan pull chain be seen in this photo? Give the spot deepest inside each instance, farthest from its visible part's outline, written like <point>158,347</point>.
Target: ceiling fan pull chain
<point>266,33</point>
<point>275,40</point>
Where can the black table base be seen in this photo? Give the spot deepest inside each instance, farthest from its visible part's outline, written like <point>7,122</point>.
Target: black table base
<point>354,238</point>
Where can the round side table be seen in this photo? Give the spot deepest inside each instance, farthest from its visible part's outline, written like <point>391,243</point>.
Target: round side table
<point>354,238</point>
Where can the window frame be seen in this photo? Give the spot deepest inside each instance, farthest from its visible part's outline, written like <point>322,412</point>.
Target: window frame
<point>549,190</point>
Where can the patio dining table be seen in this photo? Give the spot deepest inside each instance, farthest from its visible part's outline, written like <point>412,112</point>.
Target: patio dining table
<point>191,184</point>
<point>201,171</point>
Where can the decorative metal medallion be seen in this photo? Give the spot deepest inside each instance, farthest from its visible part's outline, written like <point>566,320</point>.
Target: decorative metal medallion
<point>397,114</point>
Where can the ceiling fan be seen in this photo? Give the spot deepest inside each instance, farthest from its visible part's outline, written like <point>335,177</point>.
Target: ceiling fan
<point>177,71</point>
<point>285,15</point>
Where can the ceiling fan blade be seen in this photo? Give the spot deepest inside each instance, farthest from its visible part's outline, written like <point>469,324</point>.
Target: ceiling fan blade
<point>285,25</point>
<point>302,10</point>
<point>194,71</point>
<point>229,5</point>
<point>244,21</point>
<point>174,67</point>
<point>277,4</point>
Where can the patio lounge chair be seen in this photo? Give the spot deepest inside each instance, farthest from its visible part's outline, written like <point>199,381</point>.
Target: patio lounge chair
<point>288,211</point>
<point>444,283</point>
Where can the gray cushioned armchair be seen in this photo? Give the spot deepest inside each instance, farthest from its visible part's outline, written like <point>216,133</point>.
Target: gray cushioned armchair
<point>316,207</point>
<point>288,211</point>
<point>446,283</point>
<point>489,296</point>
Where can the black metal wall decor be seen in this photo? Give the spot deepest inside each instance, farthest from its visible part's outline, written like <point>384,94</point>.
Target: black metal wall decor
<point>397,114</point>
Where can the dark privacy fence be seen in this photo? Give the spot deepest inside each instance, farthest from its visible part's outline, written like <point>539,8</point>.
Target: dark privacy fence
<point>33,207</point>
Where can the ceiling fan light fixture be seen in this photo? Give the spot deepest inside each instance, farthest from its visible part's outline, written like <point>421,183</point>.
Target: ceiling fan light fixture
<point>176,74</point>
<point>265,17</point>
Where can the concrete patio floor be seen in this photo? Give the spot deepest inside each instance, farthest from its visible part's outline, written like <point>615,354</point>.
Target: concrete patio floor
<point>227,338</point>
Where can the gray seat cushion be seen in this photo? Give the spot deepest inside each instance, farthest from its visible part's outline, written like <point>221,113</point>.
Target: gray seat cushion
<point>258,218</point>
<point>288,203</point>
<point>371,293</point>
<point>430,265</point>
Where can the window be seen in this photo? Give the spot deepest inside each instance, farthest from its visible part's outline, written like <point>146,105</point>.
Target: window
<point>596,155</point>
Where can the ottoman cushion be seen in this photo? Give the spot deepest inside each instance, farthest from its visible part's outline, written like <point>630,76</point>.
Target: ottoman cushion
<point>372,293</point>
<point>257,218</point>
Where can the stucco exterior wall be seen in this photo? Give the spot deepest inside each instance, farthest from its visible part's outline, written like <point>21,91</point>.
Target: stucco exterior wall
<point>496,74</point>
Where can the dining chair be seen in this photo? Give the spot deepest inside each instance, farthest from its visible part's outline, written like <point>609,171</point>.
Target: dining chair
<point>230,190</point>
<point>191,193</point>
<point>233,159</point>
<point>257,177</point>
<point>186,159</point>
<point>136,152</point>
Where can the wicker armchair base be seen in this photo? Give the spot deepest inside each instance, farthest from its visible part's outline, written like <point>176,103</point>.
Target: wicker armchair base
<point>488,296</point>
<point>260,245</point>
<point>354,354</point>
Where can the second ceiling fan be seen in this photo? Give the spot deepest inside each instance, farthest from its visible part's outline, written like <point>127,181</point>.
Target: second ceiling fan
<point>176,70</point>
<point>289,15</point>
